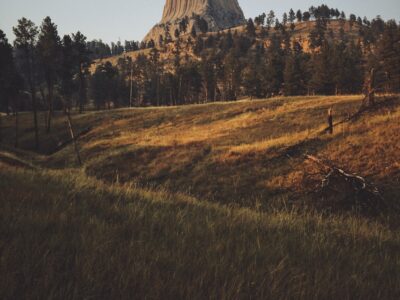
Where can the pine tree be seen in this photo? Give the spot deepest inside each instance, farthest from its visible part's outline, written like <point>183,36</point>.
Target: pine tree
<point>68,69</point>
<point>389,56</point>
<point>274,66</point>
<point>284,19</point>
<point>270,19</point>
<point>193,32</point>
<point>317,35</point>
<point>294,77</point>
<point>292,16</point>
<point>306,16</point>
<point>82,62</point>
<point>49,53</point>
<point>25,42</point>
<point>253,73</point>
<point>10,83</point>
<point>250,28</point>
<point>6,69</point>
<point>321,81</point>
<point>299,16</point>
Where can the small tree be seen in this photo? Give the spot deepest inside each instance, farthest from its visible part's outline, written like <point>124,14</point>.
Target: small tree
<point>299,16</point>
<point>284,19</point>
<point>250,28</point>
<point>292,16</point>
<point>177,33</point>
<point>306,16</point>
<point>270,19</point>
<point>193,32</point>
<point>202,25</point>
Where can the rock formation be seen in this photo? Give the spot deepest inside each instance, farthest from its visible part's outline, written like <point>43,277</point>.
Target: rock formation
<point>219,14</point>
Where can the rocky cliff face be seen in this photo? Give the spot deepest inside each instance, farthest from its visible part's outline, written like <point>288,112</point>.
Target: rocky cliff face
<point>219,14</point>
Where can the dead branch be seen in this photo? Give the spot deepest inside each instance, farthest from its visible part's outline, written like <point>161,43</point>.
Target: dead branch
<point>340,189</point>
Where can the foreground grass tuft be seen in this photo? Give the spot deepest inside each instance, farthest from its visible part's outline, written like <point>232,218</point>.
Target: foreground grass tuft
<point>64,235</point>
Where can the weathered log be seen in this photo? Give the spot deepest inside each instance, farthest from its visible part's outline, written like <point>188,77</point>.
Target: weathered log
<point>341,189</point>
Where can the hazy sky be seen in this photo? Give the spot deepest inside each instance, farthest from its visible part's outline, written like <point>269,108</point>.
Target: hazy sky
<point>131,19</point>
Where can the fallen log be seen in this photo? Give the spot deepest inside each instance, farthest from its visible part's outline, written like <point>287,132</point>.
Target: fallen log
<point>340,190</point>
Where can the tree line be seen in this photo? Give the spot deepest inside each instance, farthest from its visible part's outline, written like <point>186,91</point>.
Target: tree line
<point>42,71</point>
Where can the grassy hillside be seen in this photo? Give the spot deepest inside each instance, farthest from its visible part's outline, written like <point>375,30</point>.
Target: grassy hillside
<point>232,153</point>
<point>64,235</point>
<point>197,202</point>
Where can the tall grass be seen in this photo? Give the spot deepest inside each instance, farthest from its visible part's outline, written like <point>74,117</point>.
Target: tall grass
<point>64,235</point>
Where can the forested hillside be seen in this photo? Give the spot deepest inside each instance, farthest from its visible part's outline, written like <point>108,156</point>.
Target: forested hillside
<point>320,51</point>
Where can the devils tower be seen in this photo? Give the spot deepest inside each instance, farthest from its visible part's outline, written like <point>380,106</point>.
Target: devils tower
<point>219,15</point>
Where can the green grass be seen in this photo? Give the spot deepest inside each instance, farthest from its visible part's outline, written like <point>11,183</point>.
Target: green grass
<point>67,236</point>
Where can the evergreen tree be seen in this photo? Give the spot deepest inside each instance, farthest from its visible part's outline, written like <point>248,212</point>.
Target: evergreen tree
<point>294,77</point>
<point>260,20</point>
<point>253,73</point>
<point>49,53</point>
<point>306,16</point>
<point>274,66</point>
<point>7,68</point>
<point>183,25</point>
<point>317,35</point>
<point>292,16</point>
<point>104,85</point>
<point>321,69</point>
<point>193,32</point>
<point>389,56</point>
<point>68,69</point>
<point>232,73</point>
<point>284,19</point>
<point>270,19</point>
<point>10,83</point>
<point>25,42</point>
<point>299,16</point>
<point>202,24</point>
<point>250,29</point>
<point>82,62</point>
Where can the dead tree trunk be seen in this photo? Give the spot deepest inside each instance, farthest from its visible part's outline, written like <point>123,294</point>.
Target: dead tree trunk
<point>16,129</point>
<point>369,99</point>
<point>330,121</point>
<point>71,131</point>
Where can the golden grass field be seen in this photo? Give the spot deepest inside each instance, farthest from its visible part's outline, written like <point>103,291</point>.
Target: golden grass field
<point>197,202</point>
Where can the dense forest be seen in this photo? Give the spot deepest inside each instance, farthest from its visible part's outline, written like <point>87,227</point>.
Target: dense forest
<point>42,71</point>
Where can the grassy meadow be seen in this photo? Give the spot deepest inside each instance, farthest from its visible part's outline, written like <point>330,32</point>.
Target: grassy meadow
<point>199,202</point>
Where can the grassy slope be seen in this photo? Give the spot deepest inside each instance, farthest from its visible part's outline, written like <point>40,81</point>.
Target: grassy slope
<point>65,235</point>
<point>231,152</point>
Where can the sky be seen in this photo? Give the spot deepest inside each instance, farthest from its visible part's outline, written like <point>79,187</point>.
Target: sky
<point>113,20</point>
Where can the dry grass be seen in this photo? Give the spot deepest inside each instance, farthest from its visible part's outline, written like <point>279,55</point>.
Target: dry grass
<point>64,235</point>
<point>230,152</point>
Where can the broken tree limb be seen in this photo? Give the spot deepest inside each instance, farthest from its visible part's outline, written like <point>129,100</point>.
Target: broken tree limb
<point>340,189</point>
